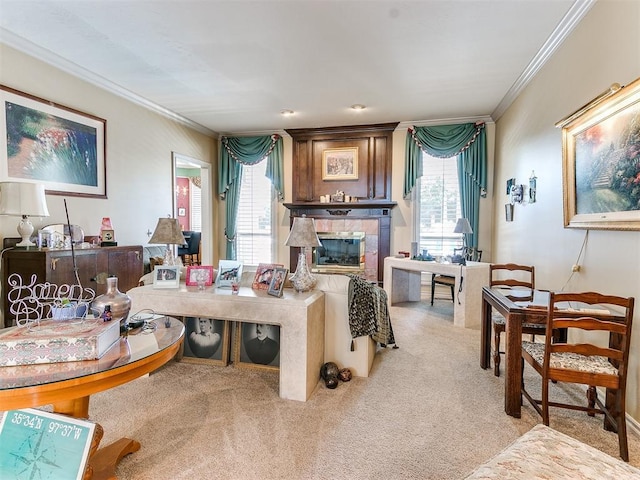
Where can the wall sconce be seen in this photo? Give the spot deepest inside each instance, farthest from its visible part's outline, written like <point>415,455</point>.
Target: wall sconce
<point>532,187</point>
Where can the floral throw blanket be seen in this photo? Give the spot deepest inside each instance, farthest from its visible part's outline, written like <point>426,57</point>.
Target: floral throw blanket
<point>368,312</point>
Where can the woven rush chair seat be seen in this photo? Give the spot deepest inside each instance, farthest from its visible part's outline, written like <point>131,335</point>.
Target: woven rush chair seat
<point>571,360</point>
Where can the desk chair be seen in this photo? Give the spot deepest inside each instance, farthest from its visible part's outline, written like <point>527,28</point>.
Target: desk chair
<point>191,252</point>
<point>470,254</point>
<point>585,363</point>
<point>522,280</point>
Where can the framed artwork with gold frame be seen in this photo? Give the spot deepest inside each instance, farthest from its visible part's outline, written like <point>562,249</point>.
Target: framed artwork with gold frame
<point>601,174</point>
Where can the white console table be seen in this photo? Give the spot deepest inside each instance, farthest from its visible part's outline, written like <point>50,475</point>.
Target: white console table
<point>300,316</point>
<point>402,282</point>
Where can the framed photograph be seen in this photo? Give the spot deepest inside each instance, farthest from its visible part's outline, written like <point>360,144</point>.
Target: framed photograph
<point>257,345</point>
<point>277,281</point>
<point>43,444</point>
<point>264,274</point>
<point>601,173</point>
<point>229,273</point>
<point>166,276</point>
<point>206,341</point>
<point>196,272</point>
<point>340,164</point>
<point>108,235</point>
<point>182,212</point>
<point>60,147</point>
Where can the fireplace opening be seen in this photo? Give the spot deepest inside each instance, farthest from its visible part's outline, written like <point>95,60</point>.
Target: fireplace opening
<point>340,252</point>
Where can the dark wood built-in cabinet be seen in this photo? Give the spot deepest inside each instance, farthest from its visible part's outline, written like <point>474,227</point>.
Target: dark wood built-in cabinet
<point>94,265</point>
<point>371,189</point>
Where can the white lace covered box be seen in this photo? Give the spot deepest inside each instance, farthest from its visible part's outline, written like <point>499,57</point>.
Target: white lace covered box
<point>546,454</point>
<point>55,341</point>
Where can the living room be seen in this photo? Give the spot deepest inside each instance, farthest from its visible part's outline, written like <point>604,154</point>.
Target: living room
<point>604,48</point>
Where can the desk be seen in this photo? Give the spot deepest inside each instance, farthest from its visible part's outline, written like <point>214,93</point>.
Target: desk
<point>300,316</point>
<point>69,385</point>
<point>402,282</point>
<point>515,314</point>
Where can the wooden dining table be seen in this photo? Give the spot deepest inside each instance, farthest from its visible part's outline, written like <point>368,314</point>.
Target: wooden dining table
<point>515,314</point>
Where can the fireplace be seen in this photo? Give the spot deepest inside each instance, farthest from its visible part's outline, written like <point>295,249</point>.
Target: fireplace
<point>341,252</point>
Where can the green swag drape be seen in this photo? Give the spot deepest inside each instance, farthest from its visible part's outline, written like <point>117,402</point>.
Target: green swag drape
<point>238,151</point>
<point>468,142</point>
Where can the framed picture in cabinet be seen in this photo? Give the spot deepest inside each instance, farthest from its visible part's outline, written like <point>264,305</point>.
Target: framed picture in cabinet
<point>206,341</point>
<point>257,345</point>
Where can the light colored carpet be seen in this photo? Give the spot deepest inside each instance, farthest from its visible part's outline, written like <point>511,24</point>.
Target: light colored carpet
<point>428,411</point>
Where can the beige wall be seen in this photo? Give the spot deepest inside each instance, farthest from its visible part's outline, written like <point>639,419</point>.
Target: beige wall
<point>604,48</point>
<point>139,147</point>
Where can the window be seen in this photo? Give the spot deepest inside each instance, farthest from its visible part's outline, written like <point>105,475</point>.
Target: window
<point>254,242</point>
<point>437,206</point>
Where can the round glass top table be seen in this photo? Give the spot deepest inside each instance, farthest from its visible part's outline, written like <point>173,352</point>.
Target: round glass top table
<point>67,386</point>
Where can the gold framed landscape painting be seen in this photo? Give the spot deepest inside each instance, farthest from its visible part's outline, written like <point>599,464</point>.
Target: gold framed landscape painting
<point>340,163</point>
<point>58,146</point>
<point>601,161</point>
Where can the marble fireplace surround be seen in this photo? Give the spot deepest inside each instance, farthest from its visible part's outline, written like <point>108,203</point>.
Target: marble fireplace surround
<point>371,217</point>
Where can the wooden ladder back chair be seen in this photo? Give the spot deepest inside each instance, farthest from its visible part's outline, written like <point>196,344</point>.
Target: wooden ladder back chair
<point>470,254</point>
<point>522,280</point>
<point>583,362</point>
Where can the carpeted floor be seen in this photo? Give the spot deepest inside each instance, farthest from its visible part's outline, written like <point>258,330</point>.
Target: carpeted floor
<point>428,411</point>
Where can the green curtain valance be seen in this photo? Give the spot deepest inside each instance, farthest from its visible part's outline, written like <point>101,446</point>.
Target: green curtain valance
<point>444,141</point>
<point>238,151</point>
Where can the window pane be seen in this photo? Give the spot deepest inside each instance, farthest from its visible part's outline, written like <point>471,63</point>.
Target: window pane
<point>438,199</point>
<point>253,228</point>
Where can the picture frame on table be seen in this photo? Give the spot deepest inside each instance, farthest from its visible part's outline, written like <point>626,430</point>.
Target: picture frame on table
<point>207,341</point>
<point>278,280</point>
<point>63,148</point>
<point>257,345</point>
<point>195,271</point>
<point>166,276</point>
<point>340,163</point>
<point>229,273</point>
<point>264,274</point>
<point>18,432</point>
<point>600,170</point>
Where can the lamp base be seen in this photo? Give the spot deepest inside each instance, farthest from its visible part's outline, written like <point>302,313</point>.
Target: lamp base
<point>303,280</point>
<point>25,230</point>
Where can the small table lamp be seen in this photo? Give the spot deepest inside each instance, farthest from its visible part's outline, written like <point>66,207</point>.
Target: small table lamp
<point>23,200</point>
<point>462,226</point>
<point>168,231</point>
<point>303,234</point>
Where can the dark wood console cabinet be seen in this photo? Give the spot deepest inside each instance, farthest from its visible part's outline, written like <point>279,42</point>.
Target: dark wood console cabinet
<point>56,266</point>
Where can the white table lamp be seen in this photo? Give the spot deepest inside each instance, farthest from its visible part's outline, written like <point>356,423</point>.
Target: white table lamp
<point>463,226</point>
<point>23,200</point>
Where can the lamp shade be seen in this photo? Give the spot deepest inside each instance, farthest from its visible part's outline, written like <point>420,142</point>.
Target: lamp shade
<point>168,232</point>
<point>23,199</point>
<point>462,226</point>
<point>303,233</point>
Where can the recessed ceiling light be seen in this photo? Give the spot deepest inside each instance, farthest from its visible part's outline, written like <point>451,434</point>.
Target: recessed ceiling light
<point>358,106</point>
<point>286,112</point>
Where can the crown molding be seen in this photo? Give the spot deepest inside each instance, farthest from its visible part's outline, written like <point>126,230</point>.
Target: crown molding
<point>575,14</point>
<point>71,68</point>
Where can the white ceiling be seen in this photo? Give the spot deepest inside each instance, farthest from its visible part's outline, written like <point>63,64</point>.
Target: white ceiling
<point>233,66</point>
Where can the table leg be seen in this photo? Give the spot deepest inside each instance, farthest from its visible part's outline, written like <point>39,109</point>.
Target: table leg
<point>485,335</point>
<point>105,461</point>
<point>513,367</point>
